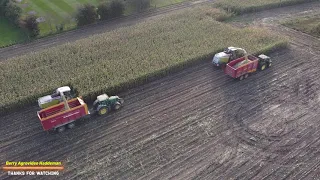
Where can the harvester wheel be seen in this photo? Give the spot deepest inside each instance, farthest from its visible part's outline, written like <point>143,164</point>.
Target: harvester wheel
<point>246,76</point>
<point>103,111</point>
<point>71,125</point>
<point>241,78</point>
<point>61,129</point>
<point>117,106</point>
<point>263,67</point>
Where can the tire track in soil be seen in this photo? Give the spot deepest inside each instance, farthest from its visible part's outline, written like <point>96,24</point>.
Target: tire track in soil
<point>285,160</point>
<point>235,170</point>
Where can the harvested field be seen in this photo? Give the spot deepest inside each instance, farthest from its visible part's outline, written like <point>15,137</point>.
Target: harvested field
<point>127,56</point>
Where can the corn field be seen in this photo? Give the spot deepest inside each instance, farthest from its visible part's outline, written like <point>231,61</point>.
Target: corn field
<point>246,6</point>
<point>126,57</point>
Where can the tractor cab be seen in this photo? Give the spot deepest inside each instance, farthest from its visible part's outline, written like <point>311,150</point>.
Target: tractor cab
<point>229,54</point>
<point>55,97</point>
<point>104,104</point>
<point>66,91</point>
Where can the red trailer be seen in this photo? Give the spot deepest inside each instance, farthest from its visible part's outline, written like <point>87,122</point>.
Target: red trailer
<point>58,117</point>
<point>241,72</point>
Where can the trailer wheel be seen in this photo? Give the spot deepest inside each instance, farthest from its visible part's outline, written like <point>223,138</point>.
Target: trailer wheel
<point>102,111</point>
<point>71,125</point>
<point>241,78</point>
<point>61,129</point>
<point>263,67</point>
<point>246,76</point>
<point>117,106</point>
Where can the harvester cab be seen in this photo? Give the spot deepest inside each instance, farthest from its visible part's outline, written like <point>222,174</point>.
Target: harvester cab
<point>55,97</point>
<point>229,54</point>
<point>104,104</point>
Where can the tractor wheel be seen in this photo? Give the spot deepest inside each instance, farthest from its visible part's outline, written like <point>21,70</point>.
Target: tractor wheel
<point>103,111</point>
<point>117,106</point>
<point>269,65</point>
<point>246,76</point>
<point>121,101</point>
<point>61,129</point>
<point>241,78</point>
<point>71,125</point>
<point>263,67</point>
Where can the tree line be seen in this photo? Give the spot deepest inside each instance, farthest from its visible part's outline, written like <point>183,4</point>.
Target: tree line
<point>12,12</point>
<point>86,14</point>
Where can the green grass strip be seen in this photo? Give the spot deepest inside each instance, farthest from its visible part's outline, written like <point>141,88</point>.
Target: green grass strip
<point>10,34</point>
<point>63,6</point>
<point>45,8</point>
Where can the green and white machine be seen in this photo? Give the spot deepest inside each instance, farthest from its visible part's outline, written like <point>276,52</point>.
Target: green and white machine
<point>229,54</point>
<point>55,97</point>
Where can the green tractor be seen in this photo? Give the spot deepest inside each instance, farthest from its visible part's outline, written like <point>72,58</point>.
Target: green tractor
<point>104,104</point>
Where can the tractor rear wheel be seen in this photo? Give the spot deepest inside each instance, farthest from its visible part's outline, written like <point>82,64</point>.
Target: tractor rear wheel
<point>103,111</point>
<point>71,125</point>
<point>61,129</point>
<point>263,67</point>
<point>117,106</point>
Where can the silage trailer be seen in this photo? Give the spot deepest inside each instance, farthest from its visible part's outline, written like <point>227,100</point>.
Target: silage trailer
<point>241,68</point>
<point>66,113</point>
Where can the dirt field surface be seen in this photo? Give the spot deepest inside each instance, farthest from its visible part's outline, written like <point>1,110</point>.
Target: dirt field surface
<point>195,124</point>
<point>101,27</point>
